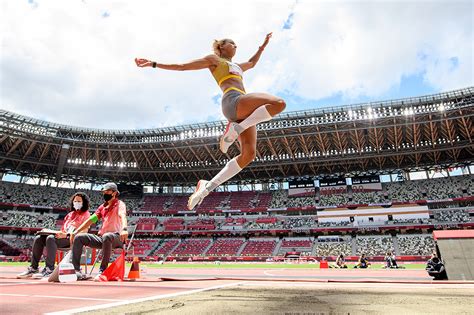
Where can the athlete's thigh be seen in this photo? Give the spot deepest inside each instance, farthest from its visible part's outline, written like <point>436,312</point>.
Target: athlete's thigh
<point>248,139</point>
<point>248,103</point>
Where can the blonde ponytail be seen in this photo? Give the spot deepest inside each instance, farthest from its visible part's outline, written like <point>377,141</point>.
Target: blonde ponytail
<point>216,46</point>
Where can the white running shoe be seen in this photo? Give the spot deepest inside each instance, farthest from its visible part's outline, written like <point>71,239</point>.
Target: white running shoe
<point>45,273</point>
<point>199,194</point>
<point>28,273</point>
<point>231,134</point>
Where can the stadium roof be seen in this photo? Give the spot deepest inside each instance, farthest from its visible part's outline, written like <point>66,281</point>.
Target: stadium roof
<point>377,137</point>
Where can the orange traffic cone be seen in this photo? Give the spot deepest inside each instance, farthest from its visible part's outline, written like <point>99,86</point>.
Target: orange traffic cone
<point>134,270</point>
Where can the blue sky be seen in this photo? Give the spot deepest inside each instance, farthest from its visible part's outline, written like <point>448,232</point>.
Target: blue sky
<point>74,59</point>
<point>410,86</point>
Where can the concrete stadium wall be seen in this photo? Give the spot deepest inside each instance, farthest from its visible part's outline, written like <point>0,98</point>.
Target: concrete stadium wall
<point>458,257</point>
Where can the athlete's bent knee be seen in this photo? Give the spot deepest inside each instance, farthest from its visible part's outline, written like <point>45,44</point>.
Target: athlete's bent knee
<point>108,237</point>
<point>281,105</point>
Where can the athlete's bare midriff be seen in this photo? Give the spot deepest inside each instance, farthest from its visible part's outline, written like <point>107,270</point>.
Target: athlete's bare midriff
<point>232,82</point>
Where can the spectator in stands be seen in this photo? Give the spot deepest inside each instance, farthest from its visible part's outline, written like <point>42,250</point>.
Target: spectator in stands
<point>112,234</point>
<point>340,262</point>
<point>363,262</point>
<point>390,260</point>
<point>79,213</point>
<point>435,268</point>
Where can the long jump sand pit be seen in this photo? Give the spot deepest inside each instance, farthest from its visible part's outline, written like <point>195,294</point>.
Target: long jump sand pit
<point>229,289</point>
<point>297,298</point>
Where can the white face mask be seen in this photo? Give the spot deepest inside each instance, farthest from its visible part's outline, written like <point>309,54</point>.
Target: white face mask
<point>77,205</point>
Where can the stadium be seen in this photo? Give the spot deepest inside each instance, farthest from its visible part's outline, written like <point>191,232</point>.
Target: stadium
<point>358,179</point>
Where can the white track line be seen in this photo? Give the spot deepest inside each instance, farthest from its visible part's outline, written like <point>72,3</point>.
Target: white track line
<point>362,285</point>
<point>266,272</point>
<point>18,283</point>
<point>150,298</point>
<point>59,297</point>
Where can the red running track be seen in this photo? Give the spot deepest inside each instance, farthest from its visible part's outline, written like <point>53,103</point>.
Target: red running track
<point>39,297</point>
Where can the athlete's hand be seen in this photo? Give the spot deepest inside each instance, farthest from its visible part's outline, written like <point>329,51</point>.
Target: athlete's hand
<point>267,39</point>
<point>123,236</point>
<point>143,62</point>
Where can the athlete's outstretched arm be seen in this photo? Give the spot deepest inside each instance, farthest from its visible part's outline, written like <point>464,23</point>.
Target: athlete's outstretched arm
<point>197,64</point>
<point>253,61</point>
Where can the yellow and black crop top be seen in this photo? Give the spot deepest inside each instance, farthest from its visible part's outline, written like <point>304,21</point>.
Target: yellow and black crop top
<point>226,70</point>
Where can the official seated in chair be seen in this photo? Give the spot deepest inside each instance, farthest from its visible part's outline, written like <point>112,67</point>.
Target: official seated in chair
<point>52,240</point>
<point>112,234</point>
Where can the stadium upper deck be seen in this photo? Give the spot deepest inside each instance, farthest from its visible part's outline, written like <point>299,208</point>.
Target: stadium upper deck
<point>406,134</point>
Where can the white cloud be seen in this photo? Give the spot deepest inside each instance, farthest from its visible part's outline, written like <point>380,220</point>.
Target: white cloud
<point>72,61</point>
<point>364,48</point>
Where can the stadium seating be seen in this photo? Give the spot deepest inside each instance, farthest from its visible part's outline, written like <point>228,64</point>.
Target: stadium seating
<point>296,243</point>
<point>282,200</point>
<point>259,248</point>
<point>43,195</point>
<point>431,189</point>
<point>14,246</point>
<point>263,200</point>
<point>241,200</point>
<point>452,216</point>
<point>179,203</point>
<point>404,191</point>
<point>326,247</point>
<point>142,247</point>
<point>421,244</point>
<point>266,223</point>
<point>334,224</point>
<point>147,224</point>
<point>191,247</point>
<point>22,219</point>
<point>452,187</point>
<point>371,197</point>
<point>225,247</point>
<point>28,220</point>
<point>166,247</point>
<point>154,203</point>
<point>133,204</point>
<point>153,214</point>
<point>215,200</point>
<point>374,245</point>
<point>411,221</point>
<point>299,222</point>
<point>233,224</point>
<point>53,197</point>
<point>279,199</point>
<point>174,224</point>
<point>334,199</point>
<point>160,203</point>
<point>304,246</point>
<point>201,224</point>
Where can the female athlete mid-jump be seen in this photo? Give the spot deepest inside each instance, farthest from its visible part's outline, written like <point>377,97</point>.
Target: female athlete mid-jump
<point>244,111</point>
